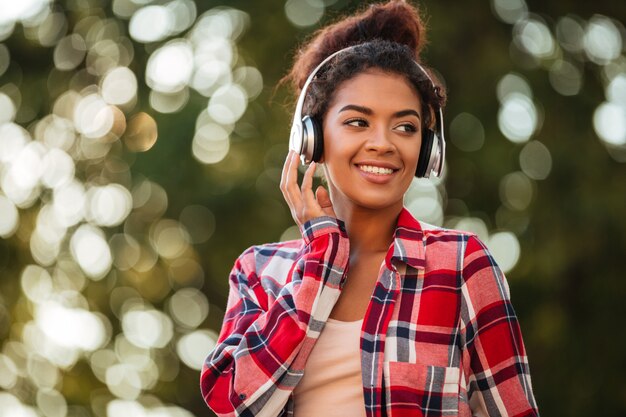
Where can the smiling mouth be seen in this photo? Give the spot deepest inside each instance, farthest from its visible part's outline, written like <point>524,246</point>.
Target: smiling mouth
<point>371,169</point>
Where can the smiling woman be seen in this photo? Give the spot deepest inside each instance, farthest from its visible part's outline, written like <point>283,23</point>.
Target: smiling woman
<point>372,138</point>
<point>371,312</point>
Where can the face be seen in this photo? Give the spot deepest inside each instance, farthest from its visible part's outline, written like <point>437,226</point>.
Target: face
<point>372,137</point>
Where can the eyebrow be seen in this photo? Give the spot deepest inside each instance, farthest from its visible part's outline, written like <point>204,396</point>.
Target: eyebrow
<point>369,112</point>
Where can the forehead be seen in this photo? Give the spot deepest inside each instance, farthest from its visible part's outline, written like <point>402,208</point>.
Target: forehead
<point>377,88</point>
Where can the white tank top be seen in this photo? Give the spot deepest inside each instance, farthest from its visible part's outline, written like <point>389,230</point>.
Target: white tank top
<point>332,384</point>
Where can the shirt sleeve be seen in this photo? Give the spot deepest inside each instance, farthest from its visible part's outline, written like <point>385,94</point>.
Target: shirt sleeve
<point>494,357</point>
<point>262,347</point>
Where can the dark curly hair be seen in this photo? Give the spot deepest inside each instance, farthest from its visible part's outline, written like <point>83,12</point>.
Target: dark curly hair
<point>387,37</point>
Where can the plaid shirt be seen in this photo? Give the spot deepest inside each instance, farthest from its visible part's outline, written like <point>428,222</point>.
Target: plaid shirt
<point>439,338</point>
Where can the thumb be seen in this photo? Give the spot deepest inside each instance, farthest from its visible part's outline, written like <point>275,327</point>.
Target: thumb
<point>323,199</point>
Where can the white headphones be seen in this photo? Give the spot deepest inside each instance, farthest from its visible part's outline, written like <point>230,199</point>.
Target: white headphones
<point>307,140</point>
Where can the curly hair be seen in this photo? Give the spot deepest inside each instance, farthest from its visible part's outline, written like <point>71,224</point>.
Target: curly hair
<point>388,37</point>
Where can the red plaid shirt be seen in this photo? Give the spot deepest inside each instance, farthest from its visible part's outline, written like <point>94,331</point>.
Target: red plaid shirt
<point>439,338</point>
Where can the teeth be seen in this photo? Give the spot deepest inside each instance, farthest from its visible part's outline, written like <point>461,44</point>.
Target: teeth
<point>376,170</point>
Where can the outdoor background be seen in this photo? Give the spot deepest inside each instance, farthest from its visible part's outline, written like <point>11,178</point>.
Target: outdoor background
<point>141,145</point>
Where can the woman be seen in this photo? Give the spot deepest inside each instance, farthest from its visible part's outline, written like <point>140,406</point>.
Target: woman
<point>370,313</point>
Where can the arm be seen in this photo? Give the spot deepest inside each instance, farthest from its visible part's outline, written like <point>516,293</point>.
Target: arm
<point>262,349</point>
<point>494,357</point>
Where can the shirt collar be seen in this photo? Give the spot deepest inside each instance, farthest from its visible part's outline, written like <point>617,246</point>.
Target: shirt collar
<point>408,242</point>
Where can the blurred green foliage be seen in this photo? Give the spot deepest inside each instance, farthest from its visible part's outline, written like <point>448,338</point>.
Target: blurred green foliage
<point>567,286</point>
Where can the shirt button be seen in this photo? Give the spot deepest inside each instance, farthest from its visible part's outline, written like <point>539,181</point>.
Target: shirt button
<point>242,396</point>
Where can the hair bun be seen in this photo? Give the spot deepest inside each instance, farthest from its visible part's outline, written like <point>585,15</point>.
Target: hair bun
<point>395,21</point>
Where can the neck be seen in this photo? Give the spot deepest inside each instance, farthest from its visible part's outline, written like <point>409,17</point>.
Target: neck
<point>369,230</point>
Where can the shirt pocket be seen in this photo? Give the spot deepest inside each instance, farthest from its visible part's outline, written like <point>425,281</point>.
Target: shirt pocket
<point>414,389</point>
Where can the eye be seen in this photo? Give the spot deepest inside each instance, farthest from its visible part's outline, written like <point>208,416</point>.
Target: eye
<point>356,122</point>
<point>407,128</point>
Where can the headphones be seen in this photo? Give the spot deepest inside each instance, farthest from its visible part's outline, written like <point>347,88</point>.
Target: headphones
<point>307,140</point>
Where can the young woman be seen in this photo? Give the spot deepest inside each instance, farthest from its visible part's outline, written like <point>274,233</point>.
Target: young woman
<point>370,313</point>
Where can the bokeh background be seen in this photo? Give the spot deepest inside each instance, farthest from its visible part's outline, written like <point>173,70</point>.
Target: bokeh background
<point>141,145</point>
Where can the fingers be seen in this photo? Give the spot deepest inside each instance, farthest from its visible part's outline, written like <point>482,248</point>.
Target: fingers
<point>301,199</point>
<point>306,188</point>
<point>289,185</point>
<point>323,199</point>
<point>309,206</point>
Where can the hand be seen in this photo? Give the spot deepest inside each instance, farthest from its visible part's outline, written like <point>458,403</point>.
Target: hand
<point>304,205</point>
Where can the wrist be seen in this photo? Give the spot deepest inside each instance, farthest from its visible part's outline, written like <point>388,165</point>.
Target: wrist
<point>320,226</point>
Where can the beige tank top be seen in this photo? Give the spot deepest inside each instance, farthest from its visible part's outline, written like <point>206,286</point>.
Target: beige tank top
<point>332,384</point>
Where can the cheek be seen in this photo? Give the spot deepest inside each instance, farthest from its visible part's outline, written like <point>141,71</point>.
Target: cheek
<point>410,153</point>
<point>334,148</point>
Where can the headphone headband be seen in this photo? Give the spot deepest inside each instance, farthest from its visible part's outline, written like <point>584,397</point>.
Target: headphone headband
<point>303,139</point>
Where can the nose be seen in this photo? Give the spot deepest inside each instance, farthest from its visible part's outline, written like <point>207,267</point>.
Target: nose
<point>380,141</point>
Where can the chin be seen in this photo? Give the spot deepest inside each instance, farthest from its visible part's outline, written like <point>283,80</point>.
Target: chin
<point>376,201</point>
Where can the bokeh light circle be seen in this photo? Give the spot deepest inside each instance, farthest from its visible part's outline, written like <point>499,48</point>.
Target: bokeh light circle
<point>51,403</point>
<point>228,103</point>
<point>119,86</point>
<point>8,372</point>
<point>87,331</point>
<point>512,83</point>
<point>36,284</point>
<point>304,13</point>
<point>516,191</point>
<point>505,248</point>
<point>169,103</point>
<point>123,381</point>
<point>93,116</point>
<point>70,52</point>
<point>151,23</point>
<point>170,67</point>
<point>9,217</point>
<point>58,168</point>
<point>141,133</point>
<point>109,205</point>
<point>91,251</point>
<point>467,132</point>
<point>147,328</point>
<point>11,406</point>
<point>535,160</point>
<point>566,78</point>
<point>188,307</point>
<point>68,203</point>
<point>616,89</point>
<point>510,11</point>
<point>5,58</point>
<point>603,40</point>
<point>609,122</point>
<point>517,117</point>
<point>473,225</point>
<point>534,37</point>
<point>13,138</point>
<point>199,222</point>
<point>169,238</point>
<point>194,347</point>
<point>7,109</point>
<point>570,33</point>
<point>211,143</point>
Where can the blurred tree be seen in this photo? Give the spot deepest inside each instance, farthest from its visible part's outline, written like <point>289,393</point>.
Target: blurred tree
<point>141,145</point>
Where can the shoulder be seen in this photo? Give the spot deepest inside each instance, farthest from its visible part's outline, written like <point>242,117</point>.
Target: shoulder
<point>270,256</point>
<point>438,247</point>
<point>442,235</point>
<point>461,245</point>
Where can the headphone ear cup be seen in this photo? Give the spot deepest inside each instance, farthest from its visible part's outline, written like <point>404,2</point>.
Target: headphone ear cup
<point>426,148</point>
<point>312,133</point>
